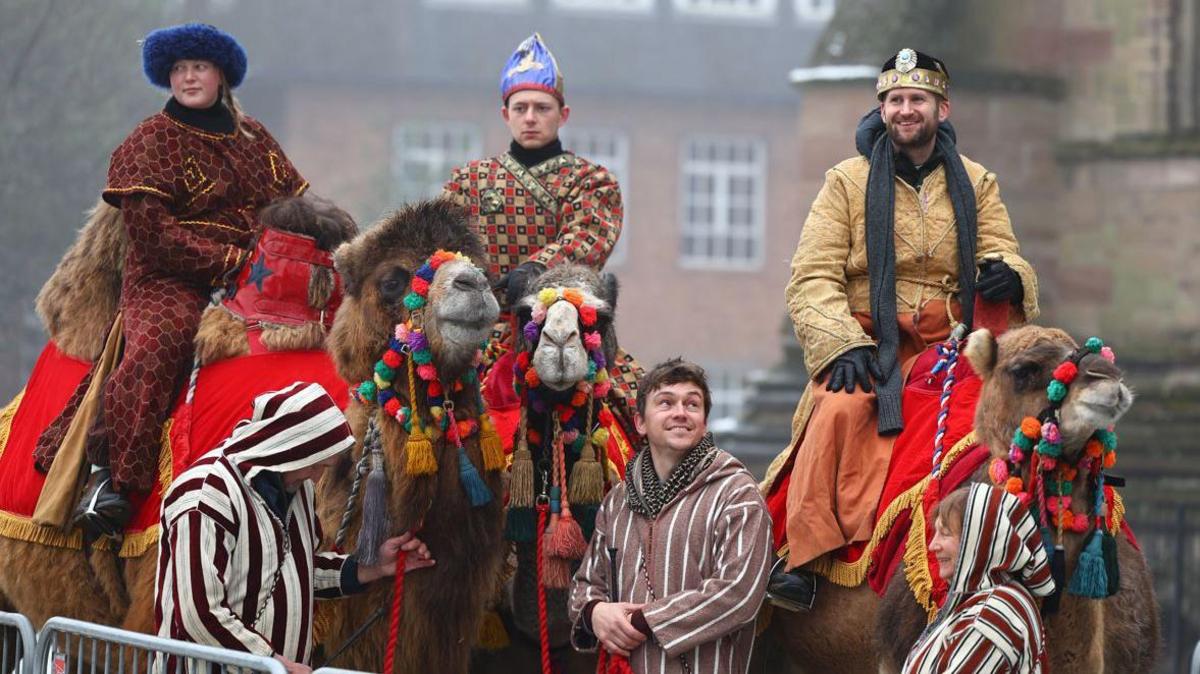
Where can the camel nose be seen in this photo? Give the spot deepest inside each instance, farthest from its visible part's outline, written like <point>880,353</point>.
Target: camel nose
<point>559,336</point>
<point>469,280</point>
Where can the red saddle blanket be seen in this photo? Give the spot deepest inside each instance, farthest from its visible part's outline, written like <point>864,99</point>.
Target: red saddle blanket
<point>224,395</point>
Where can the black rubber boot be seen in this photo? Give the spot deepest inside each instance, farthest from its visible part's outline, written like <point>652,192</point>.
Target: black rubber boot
<point>794,590</point>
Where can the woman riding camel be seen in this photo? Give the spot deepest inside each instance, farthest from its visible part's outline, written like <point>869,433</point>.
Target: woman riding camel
<point>991,553</point>
<point>188,182</point>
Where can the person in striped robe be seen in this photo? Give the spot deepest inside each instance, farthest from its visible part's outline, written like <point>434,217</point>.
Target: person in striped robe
<point>990,551</point>
<point>237,560</point>
<point>689,538</point>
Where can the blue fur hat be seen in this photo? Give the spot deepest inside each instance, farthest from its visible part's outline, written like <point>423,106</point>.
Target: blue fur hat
<point>163,47</point>
<point>531,66</point>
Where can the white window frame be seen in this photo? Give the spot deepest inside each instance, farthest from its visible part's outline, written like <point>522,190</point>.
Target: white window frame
<point>606,6</point>
<point>581,140</point>
<point>807,11</point>
<point>440,159</point>
<point>722,173</point>
<point>728,9</point>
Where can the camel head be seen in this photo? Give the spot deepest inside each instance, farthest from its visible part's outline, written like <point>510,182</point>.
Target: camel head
<point>563,314</point>
<point>380,269</point>
<point>287,289</point>
<point>1017,367</point>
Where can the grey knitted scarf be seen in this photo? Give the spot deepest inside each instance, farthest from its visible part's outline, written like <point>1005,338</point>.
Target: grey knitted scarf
<point>871,140</point>
<point>646,494</point>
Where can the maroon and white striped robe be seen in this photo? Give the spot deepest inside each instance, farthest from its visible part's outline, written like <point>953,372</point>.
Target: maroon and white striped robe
<point>708,553</point>
<point>990,622</point>
<point>221,546</point>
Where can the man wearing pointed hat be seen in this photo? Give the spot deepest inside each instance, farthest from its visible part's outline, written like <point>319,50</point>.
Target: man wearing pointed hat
<point>537,206</point>
<point>896,245</point>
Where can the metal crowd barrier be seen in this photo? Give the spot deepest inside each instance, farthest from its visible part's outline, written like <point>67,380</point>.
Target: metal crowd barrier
<point>17,644</point>
<point>335,670</point>
<point>66,646</point>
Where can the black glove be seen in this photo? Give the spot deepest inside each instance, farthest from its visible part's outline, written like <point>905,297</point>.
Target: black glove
<point>857,364</point>
<point>998,282</point>
<point>516,280</point>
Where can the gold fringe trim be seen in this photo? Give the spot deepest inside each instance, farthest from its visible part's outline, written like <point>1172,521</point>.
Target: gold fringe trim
<point>137,544</point>
<point>852,574</point>
<point>1118,512</point>
<point>916,567</point>
<point>6,419</point>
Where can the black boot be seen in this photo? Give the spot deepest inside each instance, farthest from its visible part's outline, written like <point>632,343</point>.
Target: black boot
<point>102,511</point>
<point>794,590</point>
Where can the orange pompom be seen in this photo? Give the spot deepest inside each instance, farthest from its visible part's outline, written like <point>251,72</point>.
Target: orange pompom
<point>1066,518</point>
<point>579,398</point>
<point>1031,428</point>
<point>1014,485</point>
<point>1110,459</point>
<point>1093,448</point>
<point>1068,473</point>
<point>573,296</point>
<point>532,379</point>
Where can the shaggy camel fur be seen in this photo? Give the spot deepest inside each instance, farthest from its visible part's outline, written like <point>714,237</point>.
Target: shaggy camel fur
<point>77,306</point>
<point>442,606</point>
<point>1118,634</point>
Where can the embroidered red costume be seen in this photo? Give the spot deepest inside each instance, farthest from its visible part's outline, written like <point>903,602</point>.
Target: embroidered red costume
<point>188,199</point>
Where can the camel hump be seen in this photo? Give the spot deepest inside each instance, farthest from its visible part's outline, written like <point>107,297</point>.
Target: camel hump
<point>77,304</point>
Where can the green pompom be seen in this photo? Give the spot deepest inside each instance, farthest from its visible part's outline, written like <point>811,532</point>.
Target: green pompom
<point>1023,441</point>
<point>1107,439</point>
<point>1056,391</point>
<point>1094,344</point>
<point>413,301</point>
<point>385,372</point>
<point>368,390</point>
<point>1050,449</point>
<point>422,357</point>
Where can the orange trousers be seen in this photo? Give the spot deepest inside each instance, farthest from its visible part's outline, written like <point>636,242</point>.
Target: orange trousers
<point>840,461</point>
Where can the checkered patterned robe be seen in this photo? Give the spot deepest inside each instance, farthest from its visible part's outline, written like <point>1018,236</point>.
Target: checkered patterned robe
<point>565,209</point>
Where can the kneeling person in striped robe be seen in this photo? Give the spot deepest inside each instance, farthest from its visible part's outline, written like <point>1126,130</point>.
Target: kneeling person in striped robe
<point>237,560</point>
<point>990,552</point>
<point>677,567</point>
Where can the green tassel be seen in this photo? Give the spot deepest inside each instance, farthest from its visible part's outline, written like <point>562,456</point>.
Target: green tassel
<point>477,490</point>
<point>1112,567</point>
<point>1090,578</point>
<point>521,524</point>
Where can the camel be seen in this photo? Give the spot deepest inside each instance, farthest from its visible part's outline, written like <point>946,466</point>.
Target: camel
<point>1116,634</point>
<point>114,585</point>
<point>566,339</point>
<point>384,269</point>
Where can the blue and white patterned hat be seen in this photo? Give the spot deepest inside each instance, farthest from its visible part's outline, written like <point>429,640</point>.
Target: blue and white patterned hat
<point>531,66</point>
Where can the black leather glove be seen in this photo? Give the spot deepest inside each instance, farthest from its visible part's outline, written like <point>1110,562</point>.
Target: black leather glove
<point>998,282</point>
<point>856,365</point>
<point>516,280</point>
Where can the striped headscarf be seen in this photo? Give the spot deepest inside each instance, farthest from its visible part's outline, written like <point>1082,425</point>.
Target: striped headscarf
<point>990,621</point>
<point>293,428</point>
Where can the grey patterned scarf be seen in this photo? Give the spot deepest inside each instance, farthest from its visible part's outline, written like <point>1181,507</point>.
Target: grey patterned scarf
<point>646,494</point>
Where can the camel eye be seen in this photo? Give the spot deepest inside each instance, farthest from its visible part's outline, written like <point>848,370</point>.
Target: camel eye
<point>1027,375</point>
<point>393,284</point>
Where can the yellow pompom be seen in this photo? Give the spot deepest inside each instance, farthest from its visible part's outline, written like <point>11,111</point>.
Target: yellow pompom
<point>379,381</point>
<point>600,438</point>
<point>547,296</point>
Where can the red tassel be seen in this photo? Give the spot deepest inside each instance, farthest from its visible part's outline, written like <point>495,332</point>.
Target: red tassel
<point>566,537</point>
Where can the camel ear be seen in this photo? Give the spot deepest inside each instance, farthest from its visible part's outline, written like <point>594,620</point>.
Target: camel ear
<point>981,352</point>
<point>612,288</point>
<point>346,263</point>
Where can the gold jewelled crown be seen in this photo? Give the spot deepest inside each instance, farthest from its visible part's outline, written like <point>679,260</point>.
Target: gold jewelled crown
<point>906,74</point>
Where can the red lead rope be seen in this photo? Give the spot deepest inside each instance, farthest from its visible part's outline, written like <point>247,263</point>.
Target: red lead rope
<point>389,659</point>
<point>543,630</point>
